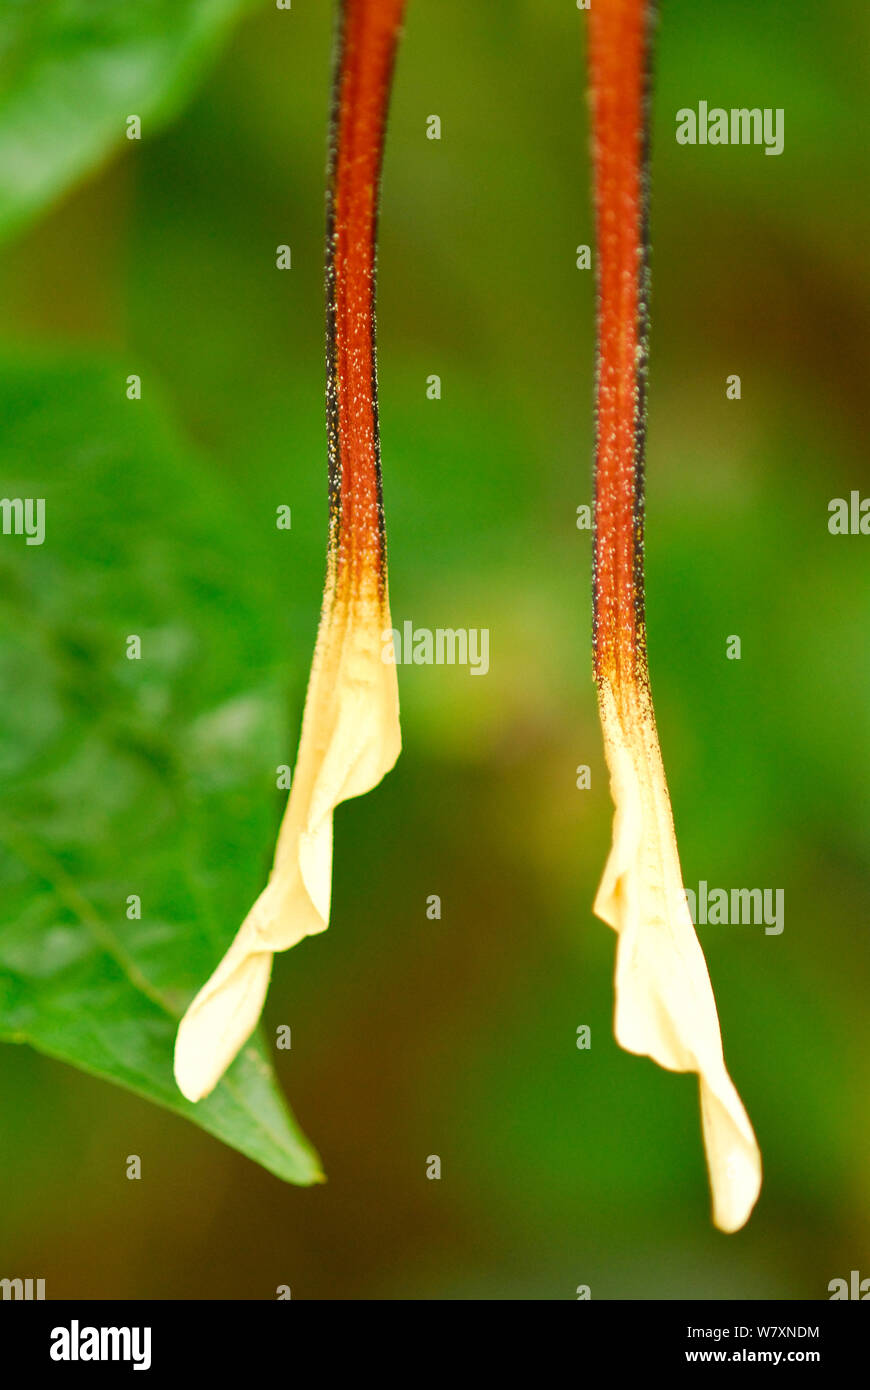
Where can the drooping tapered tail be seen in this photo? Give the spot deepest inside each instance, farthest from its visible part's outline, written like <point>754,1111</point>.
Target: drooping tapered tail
<point>620,54</point>
<point>350,728</point>
<point>365,53</point>
<point>665,1007</point>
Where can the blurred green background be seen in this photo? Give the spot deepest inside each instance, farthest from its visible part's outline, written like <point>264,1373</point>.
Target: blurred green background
<point>456,1037</point>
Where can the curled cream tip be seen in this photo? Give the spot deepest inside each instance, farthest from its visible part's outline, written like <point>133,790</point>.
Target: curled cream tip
<point>220,1020</point>
<point>350,739</point>
<point>665,1008</point>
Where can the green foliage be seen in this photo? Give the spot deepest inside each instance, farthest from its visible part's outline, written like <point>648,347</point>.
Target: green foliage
<point>72,71</point>
<point>147,777</point>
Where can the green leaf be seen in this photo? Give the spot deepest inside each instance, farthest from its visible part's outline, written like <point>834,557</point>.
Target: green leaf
<point>72,71</point>
<point>152,777</point>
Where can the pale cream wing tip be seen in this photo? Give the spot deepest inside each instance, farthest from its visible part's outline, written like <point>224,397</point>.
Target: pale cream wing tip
<point>665,1008</point>
<point>350,739</point>
<point>348,758</point>
<point>219,1022</point>
<point>733,1156</point>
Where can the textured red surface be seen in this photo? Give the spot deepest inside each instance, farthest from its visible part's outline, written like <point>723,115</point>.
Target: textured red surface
<point>369,36</point>
<point>618,39</point>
